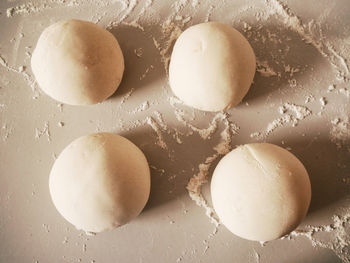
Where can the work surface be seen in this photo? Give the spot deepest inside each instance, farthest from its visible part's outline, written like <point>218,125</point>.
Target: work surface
<point>299,100</point>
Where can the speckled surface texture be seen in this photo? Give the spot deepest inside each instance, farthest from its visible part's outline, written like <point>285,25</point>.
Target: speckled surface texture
<point>299,100</point>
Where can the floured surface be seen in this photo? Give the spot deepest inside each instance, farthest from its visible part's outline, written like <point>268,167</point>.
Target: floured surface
<point>299,100</point>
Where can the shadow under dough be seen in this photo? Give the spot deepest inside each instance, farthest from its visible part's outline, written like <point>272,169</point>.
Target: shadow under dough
<point>283,48</point>
<point>326,165</point>
<point>141,58</point>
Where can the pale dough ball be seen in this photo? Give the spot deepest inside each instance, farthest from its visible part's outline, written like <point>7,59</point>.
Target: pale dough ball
<point>100,181</point>
<point>260,191</point>
<point>77,62</point>
<point>212,67</point>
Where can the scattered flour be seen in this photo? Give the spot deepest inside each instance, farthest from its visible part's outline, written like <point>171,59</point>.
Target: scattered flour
<point>130,7</point>
<point>195,3</point>
<point>5,131</point>
<point>323,102</point>
<point>146,72</point>
<point>290,70</point>
<point>291,113</point>
<point>4,63</point>
<point>159,131</point>
<point>147,5</point>
<point>60,107</point>
<point>281,10</point>
<point>142,107</point>
<point>309,98</point>
<point>209,12</point>
<point>340,131</point>
<point>331,88</point>
<point>26,8</point>
<point>195,184</point>
<point>339,241</point>
<point>126,96</point>
<point>345,92</point>
<point>45,131</point>
<point>65,240</point>
<point>264,69</point>
<point>22,71</point>
<point>125,10</point>
<point>171,32</point>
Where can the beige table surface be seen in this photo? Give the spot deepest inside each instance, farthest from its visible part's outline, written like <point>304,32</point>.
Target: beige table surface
<point>299,100</point>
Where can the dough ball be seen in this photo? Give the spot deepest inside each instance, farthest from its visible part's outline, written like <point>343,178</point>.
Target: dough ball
<point>77,62</point>
<point>212,67</point>
<point>260,191</point>
<point>100,181</point>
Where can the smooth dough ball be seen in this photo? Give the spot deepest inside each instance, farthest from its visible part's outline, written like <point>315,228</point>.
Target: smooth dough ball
<point>212,67</point>
<point>77,62</point>
<point>260,191</point>
<point>100,181</point>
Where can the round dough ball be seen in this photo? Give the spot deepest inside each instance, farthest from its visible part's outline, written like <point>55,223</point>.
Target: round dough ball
<point>77,62</point>
<point>260,191</point>
<point>212,67</point>
<point>100,181</point>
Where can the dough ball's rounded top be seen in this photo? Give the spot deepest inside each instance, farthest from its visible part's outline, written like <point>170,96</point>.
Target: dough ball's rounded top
<point>212,67</point>
<point>100,181</point>
<point>260,191</point>
<point>77,62</point>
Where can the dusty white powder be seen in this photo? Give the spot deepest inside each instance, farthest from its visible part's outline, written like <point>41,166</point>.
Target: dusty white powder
<point>209,12</point>
<point>291,114</point>
<point>331,88</point>
<point>309,98</point>
<point>204,133</point>
<point>264,69</point>
<point>60,107</point>
<point>142,107</point>
<point>158,130</point>
<point>339,241</point>
<point>127,96</point>
<point>223,146</point>
<point>290,70</point>
<point>161,171</point>
<point>133,24</point>
<point>171,32</point>
<point>290,20</point>
<point>323,102</point>
<point>195,184</point>
<point>5,131</point>
<point>147,5</point>
<point>172,131</point>
<point>21,70</point>
<point>146,72</point>
<point>344,91</point>
<point>45,131</point>
<point>26,8</point>
<point>130,7</point>
<point>4,63</point>
<point>340,131</point>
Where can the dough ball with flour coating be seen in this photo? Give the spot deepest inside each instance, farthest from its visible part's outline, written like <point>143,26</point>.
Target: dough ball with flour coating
<point>260,191</point>
<point>100,181</point>
<point>77,62</point>
<point>212,67</point>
